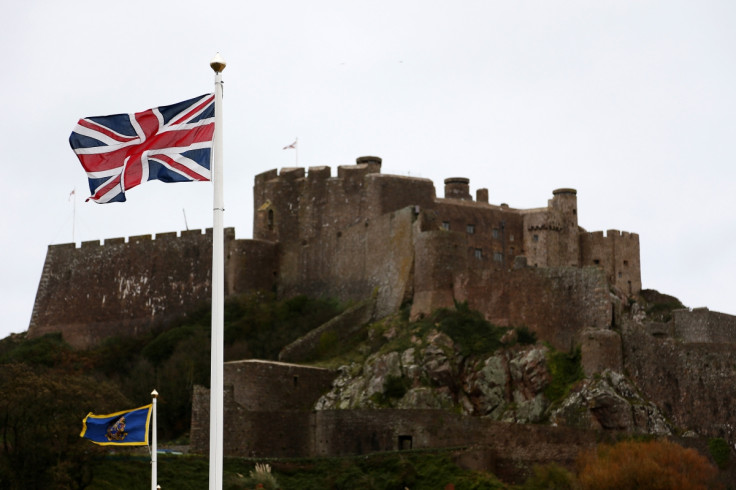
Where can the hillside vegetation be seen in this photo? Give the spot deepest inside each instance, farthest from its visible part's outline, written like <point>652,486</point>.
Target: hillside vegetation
<point>49,387</point>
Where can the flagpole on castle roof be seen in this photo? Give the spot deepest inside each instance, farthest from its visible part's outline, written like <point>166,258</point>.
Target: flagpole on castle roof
<point>218,291</point>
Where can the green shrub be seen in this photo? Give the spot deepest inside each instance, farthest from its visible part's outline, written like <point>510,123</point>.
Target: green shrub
<point>468,329</point>
<point>719,451</point>
<point>549,477</point>
<point>565,369</point>
<point>396,386</point>
<point>525,336</point>
<point>161,347</point>
<point>48,350</point>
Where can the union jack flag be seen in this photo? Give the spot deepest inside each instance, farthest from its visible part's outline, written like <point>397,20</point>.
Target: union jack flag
<point>170,143</point>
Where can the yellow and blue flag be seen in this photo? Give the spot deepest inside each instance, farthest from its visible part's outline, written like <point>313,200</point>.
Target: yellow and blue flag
<point>127,428</point>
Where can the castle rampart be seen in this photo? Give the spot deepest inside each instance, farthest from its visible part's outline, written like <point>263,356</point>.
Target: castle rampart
<point>124,287</point>
<point>262,428</point>
<point>690,381</point>
<point>700,325</point>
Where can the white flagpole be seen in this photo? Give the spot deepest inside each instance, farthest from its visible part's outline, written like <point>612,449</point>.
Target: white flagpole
<point>73,195</point>
<point>154,444</point>
<point>296,148</point>
<point>218,291</point>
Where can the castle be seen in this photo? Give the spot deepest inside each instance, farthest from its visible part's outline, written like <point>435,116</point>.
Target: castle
<point>384,242</point>
<point>348,236</point>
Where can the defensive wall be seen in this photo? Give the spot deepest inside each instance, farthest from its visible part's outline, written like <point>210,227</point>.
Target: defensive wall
<point>700,325</point>
<point>691,382</point>
<point>126,287</point>
<point>268,412</point>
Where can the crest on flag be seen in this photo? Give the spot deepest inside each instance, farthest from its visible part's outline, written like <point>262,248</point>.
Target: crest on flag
<point>116,430</point>
<point>169,143</point>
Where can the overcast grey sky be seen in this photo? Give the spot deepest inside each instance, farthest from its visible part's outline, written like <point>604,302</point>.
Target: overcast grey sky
<point>632,103</point>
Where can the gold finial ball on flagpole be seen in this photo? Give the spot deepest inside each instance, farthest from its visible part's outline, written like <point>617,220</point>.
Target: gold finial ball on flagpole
<point>154,394</point>
<point>218,63</point>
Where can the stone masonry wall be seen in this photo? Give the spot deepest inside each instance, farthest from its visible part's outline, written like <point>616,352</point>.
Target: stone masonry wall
<point>125,288</point>
<point>509,450</point>
<point>557,303</point>
<point>350,264</point>
<point>269,385</point>
<point>694,384</point>
<point>617,253</point>
<point>703,325</point>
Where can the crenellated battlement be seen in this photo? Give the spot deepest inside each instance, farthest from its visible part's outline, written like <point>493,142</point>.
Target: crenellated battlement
<point>610,234</point>
<point>159,237</point>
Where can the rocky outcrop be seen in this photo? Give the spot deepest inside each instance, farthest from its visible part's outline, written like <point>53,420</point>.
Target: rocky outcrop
<point>508,385</point>
<point>610,401</point>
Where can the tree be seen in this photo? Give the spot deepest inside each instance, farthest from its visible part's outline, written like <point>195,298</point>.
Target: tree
<point>645,465</point>
<point>41,414</point>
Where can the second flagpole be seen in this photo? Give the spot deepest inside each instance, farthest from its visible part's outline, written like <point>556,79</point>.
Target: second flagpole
<point>154,443</point>
<point>218,291</point>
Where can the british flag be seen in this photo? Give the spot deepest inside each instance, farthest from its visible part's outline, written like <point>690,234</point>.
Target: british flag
<point>170,143</point>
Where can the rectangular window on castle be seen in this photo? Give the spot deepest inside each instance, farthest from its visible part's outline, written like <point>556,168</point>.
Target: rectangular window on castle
<point>446,225</point>
<point>497,257</point>
<point>535,238</point>
<point>495,233</point>
<point>471,229</point>
<point>479,253</point>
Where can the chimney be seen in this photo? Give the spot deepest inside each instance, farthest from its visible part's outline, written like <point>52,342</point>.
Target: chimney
<point>373,163</point>
<point>458,188</point>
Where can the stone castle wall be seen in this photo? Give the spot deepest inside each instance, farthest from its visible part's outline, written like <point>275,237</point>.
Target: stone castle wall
<point>124,287</point>
<point>617,253</point>
<point>692,383</point>
<point>509,450</point>
<point>701,325</point>
<point>269,385</point>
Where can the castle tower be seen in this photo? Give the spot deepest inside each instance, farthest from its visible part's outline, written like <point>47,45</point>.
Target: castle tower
<point>565,205</point>
<point>551,237</point>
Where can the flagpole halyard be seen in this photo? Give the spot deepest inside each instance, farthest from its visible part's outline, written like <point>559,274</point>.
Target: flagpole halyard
<point>218,291</point>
